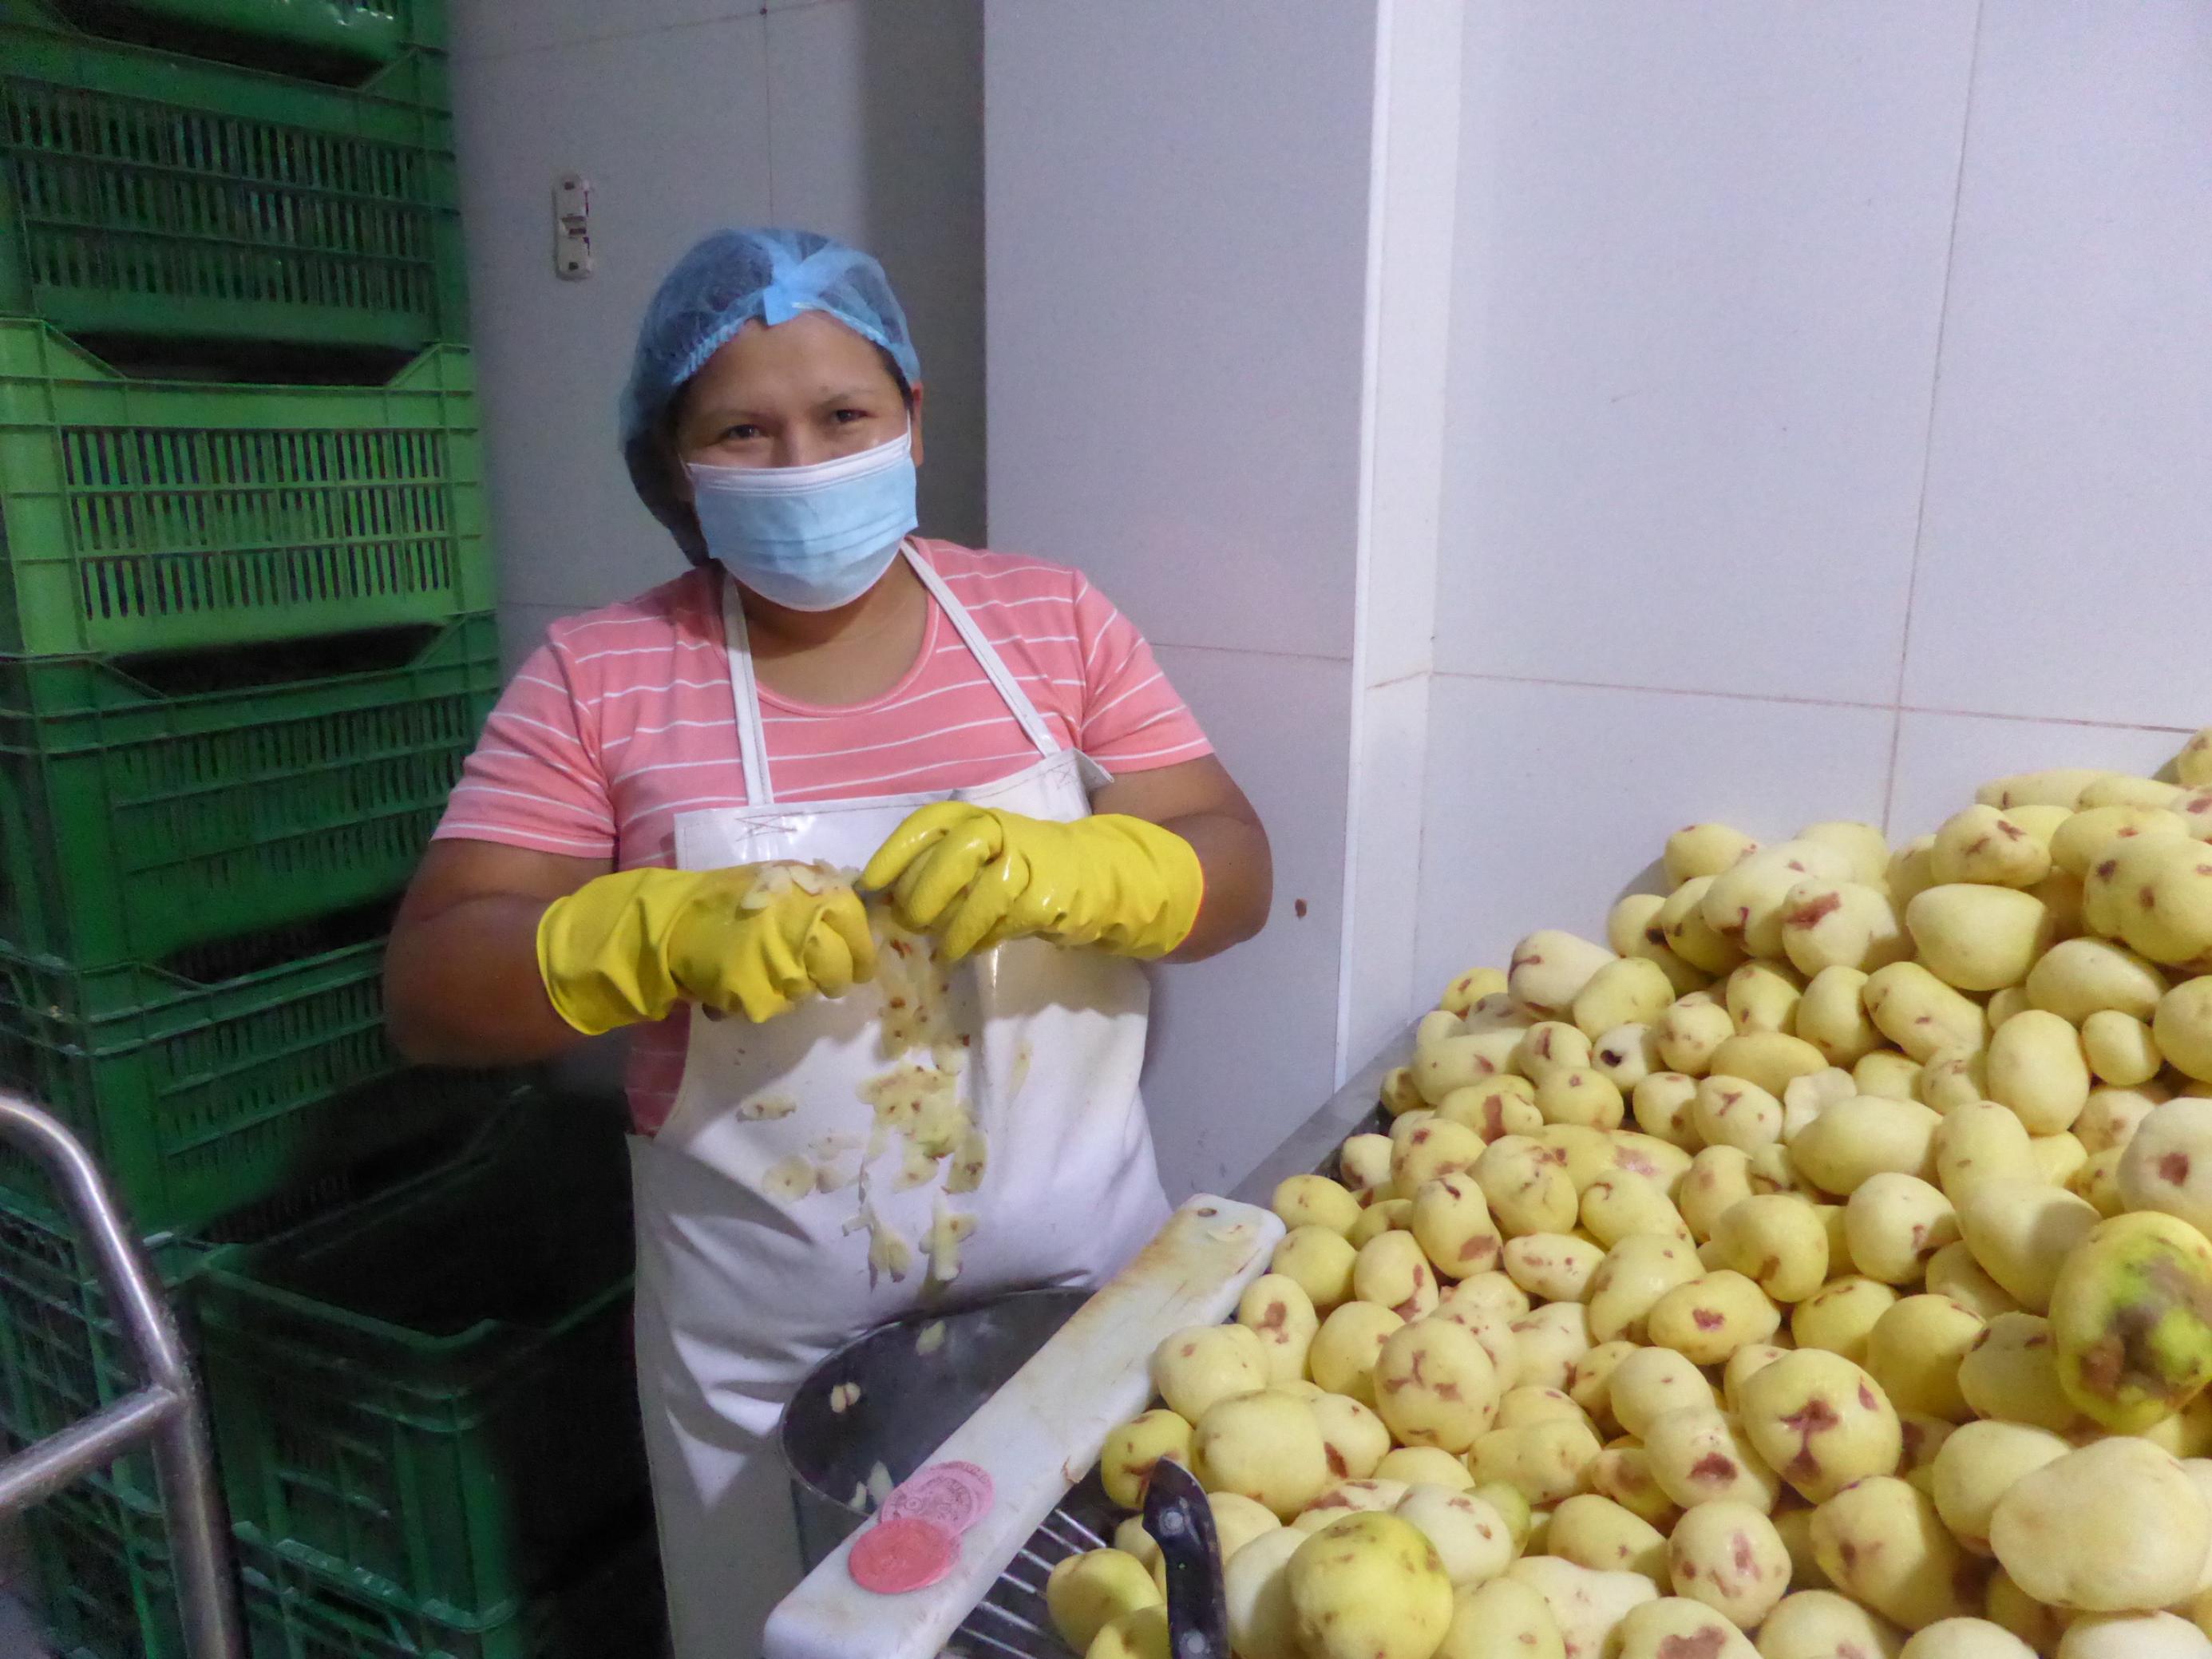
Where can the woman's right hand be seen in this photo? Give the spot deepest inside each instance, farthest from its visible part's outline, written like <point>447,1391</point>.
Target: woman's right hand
<point>752,939</point>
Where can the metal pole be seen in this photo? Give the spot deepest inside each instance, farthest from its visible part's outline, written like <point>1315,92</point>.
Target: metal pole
<point>167,1410</point>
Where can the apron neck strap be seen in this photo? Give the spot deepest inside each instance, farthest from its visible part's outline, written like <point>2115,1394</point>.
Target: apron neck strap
<point>744,685</point>
<point>744,693</point>
<point>994,668</point>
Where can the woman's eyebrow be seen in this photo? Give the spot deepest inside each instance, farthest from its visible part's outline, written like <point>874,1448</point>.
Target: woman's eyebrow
<point>850,395</point>
<point>717,413</point>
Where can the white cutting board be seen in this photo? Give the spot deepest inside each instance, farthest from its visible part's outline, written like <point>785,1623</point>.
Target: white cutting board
<point>1040,1433</point>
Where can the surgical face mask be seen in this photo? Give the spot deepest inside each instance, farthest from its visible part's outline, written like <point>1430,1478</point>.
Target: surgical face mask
<point>812,537</point>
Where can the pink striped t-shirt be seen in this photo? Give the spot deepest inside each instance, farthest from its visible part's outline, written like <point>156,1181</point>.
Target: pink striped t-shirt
<point>624,718</point>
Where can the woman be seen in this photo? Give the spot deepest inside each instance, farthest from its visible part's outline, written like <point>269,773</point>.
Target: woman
<point>845,1132</point>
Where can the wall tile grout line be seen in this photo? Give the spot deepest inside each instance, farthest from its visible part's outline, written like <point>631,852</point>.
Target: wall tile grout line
<point>1809,703</point>
<point>1935,398</point>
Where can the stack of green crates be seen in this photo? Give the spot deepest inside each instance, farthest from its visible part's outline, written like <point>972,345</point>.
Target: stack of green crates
<point>246,642</point>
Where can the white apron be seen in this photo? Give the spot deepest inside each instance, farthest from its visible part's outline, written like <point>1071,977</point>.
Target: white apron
<point>742,1288</point>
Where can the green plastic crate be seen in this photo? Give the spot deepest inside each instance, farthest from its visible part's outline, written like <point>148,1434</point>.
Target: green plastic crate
<point>437,1388</point>
<point>611,1606</point>
<point>338,40</point>
<point>107,1584</point>
<point>164,515</point>
<point>62,1356</point>
<point>166,197</point>
<point>201,1098</point>
<point>134,823</point>
<point>104,1576</point>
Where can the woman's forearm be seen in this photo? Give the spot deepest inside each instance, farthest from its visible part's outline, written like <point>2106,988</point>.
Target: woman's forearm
<point>1240,881</point>
<point>462,987</point>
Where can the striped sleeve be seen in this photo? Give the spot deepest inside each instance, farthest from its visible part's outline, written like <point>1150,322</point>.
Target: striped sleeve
<point>534,780</point>
<point>1132,721</point>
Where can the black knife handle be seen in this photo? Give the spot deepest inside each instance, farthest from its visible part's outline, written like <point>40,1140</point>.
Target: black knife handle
<point>1181,1523</point>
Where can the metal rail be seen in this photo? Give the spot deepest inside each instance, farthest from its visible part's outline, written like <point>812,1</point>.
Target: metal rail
<point>164,1411</point>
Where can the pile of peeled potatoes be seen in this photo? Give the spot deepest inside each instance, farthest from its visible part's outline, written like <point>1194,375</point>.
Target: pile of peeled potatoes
<point>1817,1268</point>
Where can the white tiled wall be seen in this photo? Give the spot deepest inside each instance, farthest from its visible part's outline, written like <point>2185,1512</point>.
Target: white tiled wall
<point>1847,360</point>
<point>859,117</point>
<point>1177,198</point>
<point>1414,188</point>
<point>1178,203</point>
<point>2066,567</point>
<point>1546,802</point>
<point>1243,1047</point>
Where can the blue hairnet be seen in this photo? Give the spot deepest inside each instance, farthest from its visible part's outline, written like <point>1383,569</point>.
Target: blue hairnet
<point>726,279</point>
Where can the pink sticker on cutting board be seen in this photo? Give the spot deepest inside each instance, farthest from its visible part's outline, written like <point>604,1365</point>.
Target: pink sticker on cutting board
<point>954,1495</point>
<point>901,1554</point>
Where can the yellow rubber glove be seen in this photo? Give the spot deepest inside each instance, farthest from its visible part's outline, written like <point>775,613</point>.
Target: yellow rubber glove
<point>628,947</point>
<point>977,877</point>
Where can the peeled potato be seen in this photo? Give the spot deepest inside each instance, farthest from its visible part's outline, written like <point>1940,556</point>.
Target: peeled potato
<point>1706,849</point>
<point>2036,1066</point>
<point>1434,1385</point>
<point>2020,1232</point>
<point>1549,969</point>
<point>1267,1447</point>
<point>1681,922</point>
<point>1085,1593</point>
<point>2183,1026</point>
<point>1920,1014</point>
<point>2115,1527</point>
<point>1195,1367</point>
<point>1978,938</point>
<point>1729,1557</point>
<point>1281,1313</point>
<point>1820,1422</point>
<point>1503,1619</point>
<point>1586,1606</point>
<point>1319,1262</point>
<point>1369,1587</point>
<point>1256,1587</point>
<point>1745,903</point>
<point>1985,845</point>
<point>1471,1538</point>
<point>1345,1349</point>
<point>1126,1464</point>
<point>1883,1544</point>
<point>1141,1634</point>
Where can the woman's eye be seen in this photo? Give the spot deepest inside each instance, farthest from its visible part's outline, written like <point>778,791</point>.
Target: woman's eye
<point>738,435</point>
<point>847,416</point>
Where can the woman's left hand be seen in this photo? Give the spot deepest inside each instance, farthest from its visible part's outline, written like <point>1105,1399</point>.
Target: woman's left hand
<point>978,876</point>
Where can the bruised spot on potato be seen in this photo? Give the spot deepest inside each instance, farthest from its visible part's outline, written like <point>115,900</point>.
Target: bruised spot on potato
<point>1713,1467</point>
<point>2173,1167</point>
<point>1337,1466</point>
<point>1815,1416</point>
<point>1706,1319</point>
<point>1704,1644</point>
<point>1810,913</point>
<point>1866,1397</point>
